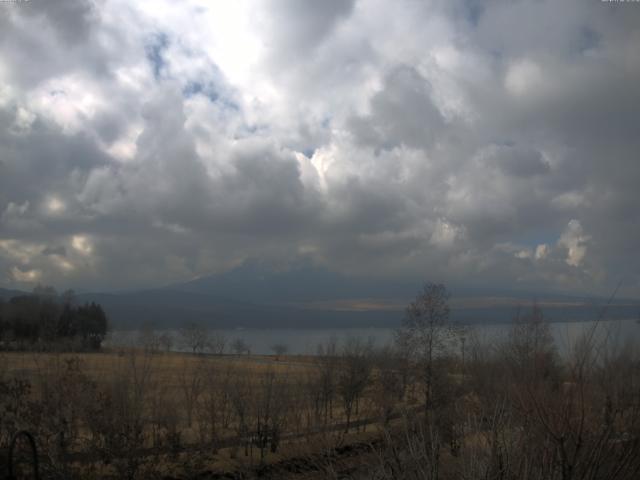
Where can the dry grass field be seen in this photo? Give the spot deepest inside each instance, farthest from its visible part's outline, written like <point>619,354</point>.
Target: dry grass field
<point>511,410</point>
<point>166,367</point>
<point>193,412</point>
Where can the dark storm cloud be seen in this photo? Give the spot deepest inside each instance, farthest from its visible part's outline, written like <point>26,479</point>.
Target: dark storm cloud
<point>43,161</point>
<point>60,250</point>
<point>71,19</point>
<point>519,162</point>
<point>263,193</point>
<point>42,39</point>
<point>402,113</point>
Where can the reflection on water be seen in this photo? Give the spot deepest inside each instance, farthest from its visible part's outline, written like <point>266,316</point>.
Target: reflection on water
<point>618,333</point>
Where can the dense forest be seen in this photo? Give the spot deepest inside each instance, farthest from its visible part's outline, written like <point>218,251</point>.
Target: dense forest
<point>45,320</point>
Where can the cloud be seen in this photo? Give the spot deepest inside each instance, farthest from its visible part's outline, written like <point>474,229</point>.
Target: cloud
<point>524,78</point>
<point>517,161</point>
<point>295,28</point>
<point>575,241</point>
<point>402,113</point>
<point>150,142</point>
<point>27,276</point>
<point>59,250</point>
<point>445,234</point>
<point>542,251</point>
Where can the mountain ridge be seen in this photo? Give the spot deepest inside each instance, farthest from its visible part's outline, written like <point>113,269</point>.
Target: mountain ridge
<point>255,295</point>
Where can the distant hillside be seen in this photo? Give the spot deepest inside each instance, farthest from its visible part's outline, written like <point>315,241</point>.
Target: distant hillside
<point>262,283</point>
<point>257,295</point>
<point>258,282</point>
<point>6,294</point>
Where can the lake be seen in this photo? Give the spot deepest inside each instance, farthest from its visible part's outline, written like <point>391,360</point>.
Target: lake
<point>306,341</point>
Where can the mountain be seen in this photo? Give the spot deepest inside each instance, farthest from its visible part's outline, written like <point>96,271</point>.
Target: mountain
<point>260,282</point>
<point>304,283</point>
<point>303,295</point>
<point>6,294</point>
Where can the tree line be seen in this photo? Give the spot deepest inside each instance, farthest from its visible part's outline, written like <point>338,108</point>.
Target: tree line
<point>44,319</point>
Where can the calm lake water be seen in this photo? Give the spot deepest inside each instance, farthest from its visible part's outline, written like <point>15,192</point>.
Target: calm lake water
<point>305,341</point>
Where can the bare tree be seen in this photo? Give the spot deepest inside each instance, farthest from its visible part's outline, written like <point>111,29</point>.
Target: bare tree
<point>164,418</point>
<point>118,416</point>
<point>279,349</point>
<point>241,394</point>
<point>271,402</point>
<point>530,348</point>
<point>425,334</point>
<point>194,337</point>
<point>239,346</point>
<point>166,341</point>
<point>217,343</point>
<point>214,407</point>
<point>388,382</point>
<point>328,366</point>
<point>148,338</point>
<point>191,381</point>
<point>354,376</point>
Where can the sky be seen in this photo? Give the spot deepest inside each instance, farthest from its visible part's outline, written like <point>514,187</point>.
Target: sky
<point>491,143</point>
